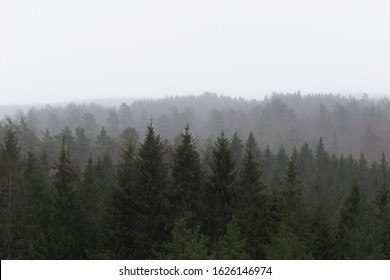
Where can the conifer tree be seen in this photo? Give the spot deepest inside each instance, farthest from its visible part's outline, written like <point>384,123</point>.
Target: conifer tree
<point>237,149</point>
<point>186,244</point>
<point>232,245</point>
<point>382,203</point>
<point>152,182</point>
<point>357,233</point>
<point>128,201</point>
<point>250,205</point>
<point>92,197</point>
<point>33,212</point>
<point>10,173</point>
<point>187,180</point>
<point>219,189</point>
<point>290,239</point>
<point>63,231</point>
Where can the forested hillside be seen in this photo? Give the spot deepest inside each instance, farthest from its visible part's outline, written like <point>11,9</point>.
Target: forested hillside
<point>346,124</point>
<point>208,177</point>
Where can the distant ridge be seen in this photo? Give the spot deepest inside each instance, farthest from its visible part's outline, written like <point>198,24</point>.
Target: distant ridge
<point>11,109</point>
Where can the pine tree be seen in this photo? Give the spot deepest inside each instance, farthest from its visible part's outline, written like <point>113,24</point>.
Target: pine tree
<point>251,201</point>
<point>128,202</point>
<point>321,243</point>
<point>291,236</point>
<point>186,244</point>
<point>92,197</point>
<point>63,232</point>
<point>237,149</point>
<point>219,189</point>
<point>10,174</point>
<point>152,181</point>
<point>382,203</point>
<point>187,180</point>
<point>232,245</point>
<point>357,232</point>
<point>33,212</point>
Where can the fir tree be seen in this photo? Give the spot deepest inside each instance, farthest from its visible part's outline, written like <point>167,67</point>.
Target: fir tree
<point>10,172</point>
<point>187,180</point>
<point>250,205</point>
<point>232,245</point>
<point>63,232</point>
<point>357,236</point>
<point>152,182</point>
<point>219,189</point>
<point>186,244</point>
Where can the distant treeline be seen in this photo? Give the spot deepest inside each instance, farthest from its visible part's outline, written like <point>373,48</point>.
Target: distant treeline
<point>346,124</point>
<point>91,192</point>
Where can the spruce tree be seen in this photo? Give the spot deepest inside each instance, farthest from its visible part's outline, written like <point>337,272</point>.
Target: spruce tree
<point>10,180</point>
<point>63,231</point>
<point>92,197</point>
<point>186,244</point>
<point>219,189</point>
<point>357,232</point>
<point>187,180</point>
<point>152,182</point>
<point>251,201</point>
<point>232,245</point>
<point>291,236</point>
<point>33,212</point>
<point>128,202</point>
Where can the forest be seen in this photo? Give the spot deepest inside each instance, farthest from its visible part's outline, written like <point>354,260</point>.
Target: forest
<point>198,177</point>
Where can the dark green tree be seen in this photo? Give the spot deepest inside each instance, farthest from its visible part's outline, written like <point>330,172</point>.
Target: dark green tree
<point>251,201</point>
<point>33,212</point>
<point>232,245</point>
<point>357,232</point>
<point>186,244</point>
<point>10,180</point>
<point>218,195</point>
<point>187,180</point>
<point>64,227</point>
<point>152,182</point>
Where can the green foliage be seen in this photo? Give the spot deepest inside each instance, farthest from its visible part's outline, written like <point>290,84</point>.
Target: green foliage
<point>232,246</point>
<point>286,245</point>
<point>357,235</point>
<point>186,244</point>
<point>250,204</point>
<point>71,196</point>
<point>187,181</point>
<point>63,230</point>
<point>218,194</point>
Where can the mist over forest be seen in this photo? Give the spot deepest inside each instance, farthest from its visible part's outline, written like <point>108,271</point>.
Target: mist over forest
<point>197,177</point>
<point>347,125</point>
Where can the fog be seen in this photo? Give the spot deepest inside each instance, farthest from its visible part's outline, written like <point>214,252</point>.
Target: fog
<point>58,51</point>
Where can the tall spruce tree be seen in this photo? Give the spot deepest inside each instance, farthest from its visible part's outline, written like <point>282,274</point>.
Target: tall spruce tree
<point>33,212</point>
<point>92,198</point>
<point>291,238</point>
<point>10,180</point>
<point>128,203</point>
<point>64,228</point>
<point>251,201</point>
<point>186,244</point>
<point>357,232</point>
<point>187,180</point>
<point>218,195</point>
<point>152,181</point>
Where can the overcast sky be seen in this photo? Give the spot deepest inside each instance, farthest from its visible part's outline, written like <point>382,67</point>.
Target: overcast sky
<point>80,49</point>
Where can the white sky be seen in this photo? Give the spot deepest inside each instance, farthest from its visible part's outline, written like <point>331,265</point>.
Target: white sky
<point>52,51</point>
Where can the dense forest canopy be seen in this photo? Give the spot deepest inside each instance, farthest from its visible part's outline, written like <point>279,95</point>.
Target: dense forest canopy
<point>198,177</point>
<point>346,124</point>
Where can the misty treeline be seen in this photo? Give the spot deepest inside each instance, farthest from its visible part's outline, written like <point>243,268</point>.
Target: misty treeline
<point>130,193</point>
<point>346,124</point>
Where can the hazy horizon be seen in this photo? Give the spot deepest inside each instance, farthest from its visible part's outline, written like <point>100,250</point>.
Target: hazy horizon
<point>59,52</point>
